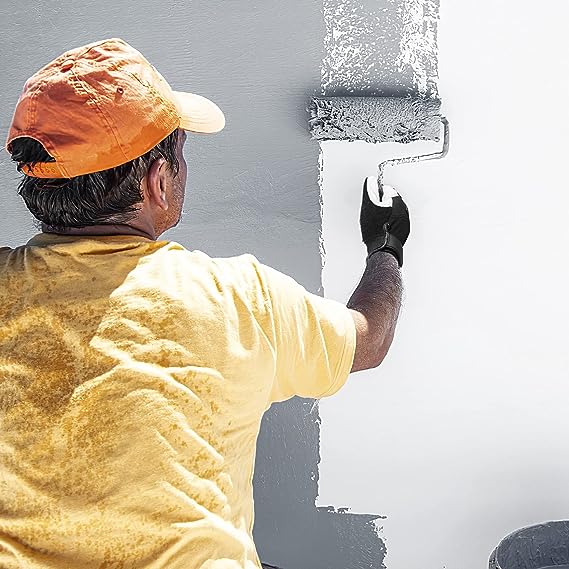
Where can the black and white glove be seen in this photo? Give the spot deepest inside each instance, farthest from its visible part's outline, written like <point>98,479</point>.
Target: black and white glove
<point>384,220</point>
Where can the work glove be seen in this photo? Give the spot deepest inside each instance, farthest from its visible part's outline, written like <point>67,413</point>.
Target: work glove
<point>384,222</point>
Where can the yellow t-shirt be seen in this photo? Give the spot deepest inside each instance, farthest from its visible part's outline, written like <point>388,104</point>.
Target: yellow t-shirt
<point>133,378</point>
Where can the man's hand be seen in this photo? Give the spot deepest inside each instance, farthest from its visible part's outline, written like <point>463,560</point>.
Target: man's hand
<point>384,222</point>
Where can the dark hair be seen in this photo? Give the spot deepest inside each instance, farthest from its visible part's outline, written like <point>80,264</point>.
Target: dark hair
<point>108,196</point>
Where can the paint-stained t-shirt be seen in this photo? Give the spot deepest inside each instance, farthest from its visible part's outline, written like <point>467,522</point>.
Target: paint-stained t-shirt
<point>133,378</point>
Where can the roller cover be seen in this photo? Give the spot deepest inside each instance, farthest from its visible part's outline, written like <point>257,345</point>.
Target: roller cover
<point>375,119</point>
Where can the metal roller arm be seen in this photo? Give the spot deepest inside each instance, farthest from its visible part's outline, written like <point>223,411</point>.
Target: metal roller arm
<point>441,154</point>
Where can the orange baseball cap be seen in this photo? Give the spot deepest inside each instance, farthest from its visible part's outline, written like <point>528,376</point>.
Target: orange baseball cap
<point>101,105</point>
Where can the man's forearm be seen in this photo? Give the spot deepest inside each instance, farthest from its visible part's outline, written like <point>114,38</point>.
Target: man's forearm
<point>378,297</point>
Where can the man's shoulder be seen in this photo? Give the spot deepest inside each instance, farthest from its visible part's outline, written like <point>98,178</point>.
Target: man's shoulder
<point>244,275</point>
<point>240,270</point>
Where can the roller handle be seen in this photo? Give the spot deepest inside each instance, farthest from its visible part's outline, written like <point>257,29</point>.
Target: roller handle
<point>406,160</point>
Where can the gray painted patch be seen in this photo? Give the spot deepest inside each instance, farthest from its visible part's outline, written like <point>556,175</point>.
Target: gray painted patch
<point>380,47</point>
<point>375,119</point>
<point>540,546</point>
<point>290,530</point>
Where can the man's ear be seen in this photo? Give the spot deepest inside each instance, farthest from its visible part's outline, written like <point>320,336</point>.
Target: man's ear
<point>156,179</point>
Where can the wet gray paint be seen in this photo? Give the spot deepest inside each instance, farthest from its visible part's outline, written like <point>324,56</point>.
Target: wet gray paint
<point>375,119</point>
<point>380,47</point>
<point>541,546</point>
<point>252,187</point>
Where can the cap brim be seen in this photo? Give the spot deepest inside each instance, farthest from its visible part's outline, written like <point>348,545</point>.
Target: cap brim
<point>198,114</point>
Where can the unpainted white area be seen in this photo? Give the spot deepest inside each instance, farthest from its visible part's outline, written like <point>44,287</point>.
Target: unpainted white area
<point>460,436</point>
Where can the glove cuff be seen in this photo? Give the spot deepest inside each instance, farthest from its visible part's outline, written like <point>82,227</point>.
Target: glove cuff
<point>388,243</point>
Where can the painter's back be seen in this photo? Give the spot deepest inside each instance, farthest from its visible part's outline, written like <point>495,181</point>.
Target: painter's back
<point>133,378</point>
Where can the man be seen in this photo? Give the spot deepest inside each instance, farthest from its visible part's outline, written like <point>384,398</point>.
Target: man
<point>134,373</point>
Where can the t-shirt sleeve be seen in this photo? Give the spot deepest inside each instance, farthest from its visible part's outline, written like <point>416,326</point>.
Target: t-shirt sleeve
<point>314,339</point>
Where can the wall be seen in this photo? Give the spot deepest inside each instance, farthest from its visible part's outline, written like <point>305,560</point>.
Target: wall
<point>254,187</point>
<point>459,437</point>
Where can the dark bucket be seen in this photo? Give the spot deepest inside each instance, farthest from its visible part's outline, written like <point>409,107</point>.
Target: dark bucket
<point>542,546</point>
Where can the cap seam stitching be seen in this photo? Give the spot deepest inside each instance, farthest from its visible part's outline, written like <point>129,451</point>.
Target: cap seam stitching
<point>87,88</point>
<point>149,86</point>
<point>31,117</point>
<point>93,46</point>
<point>172,109</point>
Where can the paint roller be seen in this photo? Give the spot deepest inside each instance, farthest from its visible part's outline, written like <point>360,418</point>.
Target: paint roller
<point>380,119</point>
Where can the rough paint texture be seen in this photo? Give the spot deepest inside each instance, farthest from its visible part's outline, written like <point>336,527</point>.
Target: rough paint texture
<point>380,47</point>
<point>419,43</point>
<point>534,547</point>
<point>375,119</point>
<point>363,48</point>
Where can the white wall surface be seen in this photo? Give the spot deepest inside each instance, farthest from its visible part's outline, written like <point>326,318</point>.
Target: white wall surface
<point>462,434</point>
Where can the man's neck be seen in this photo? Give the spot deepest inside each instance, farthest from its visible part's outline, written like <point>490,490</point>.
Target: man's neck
<point>102,229</point>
